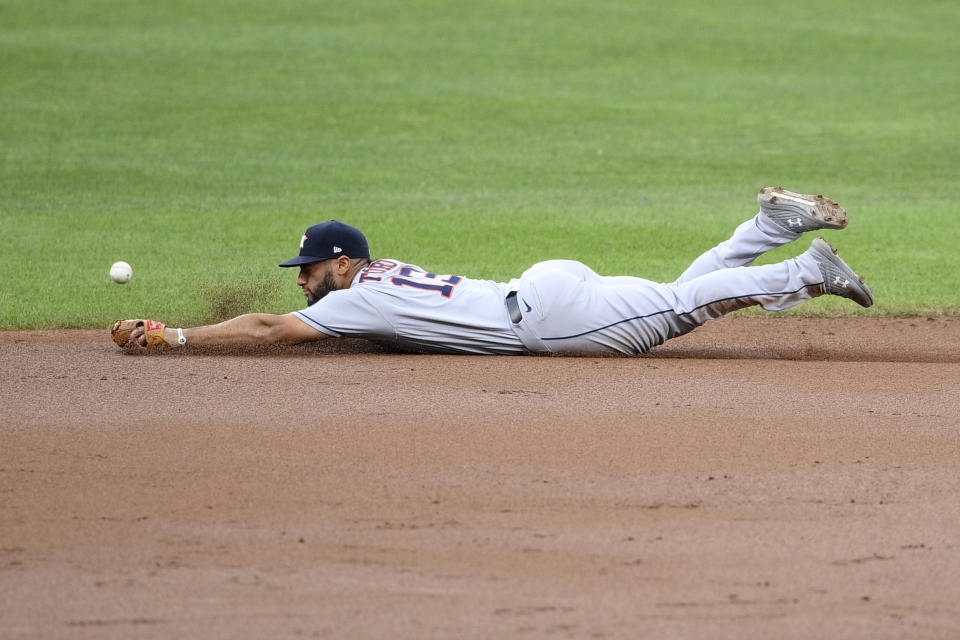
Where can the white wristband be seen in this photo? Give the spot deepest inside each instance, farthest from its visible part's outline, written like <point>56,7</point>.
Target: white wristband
<point>182,339</point>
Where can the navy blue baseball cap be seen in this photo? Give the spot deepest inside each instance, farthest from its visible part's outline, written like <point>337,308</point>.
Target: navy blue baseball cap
<point>330,239</point>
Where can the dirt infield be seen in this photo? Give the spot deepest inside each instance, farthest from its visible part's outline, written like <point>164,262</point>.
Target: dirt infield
<point>759,478</point>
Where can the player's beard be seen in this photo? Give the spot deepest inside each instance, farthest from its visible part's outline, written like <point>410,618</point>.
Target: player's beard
<point>323,287</point>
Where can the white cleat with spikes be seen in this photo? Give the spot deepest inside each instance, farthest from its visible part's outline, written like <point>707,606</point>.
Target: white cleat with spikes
<point>838,278</point>
<point>799,212</point>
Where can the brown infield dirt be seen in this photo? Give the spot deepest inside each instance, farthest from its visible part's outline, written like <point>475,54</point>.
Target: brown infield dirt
<point>758,478</point>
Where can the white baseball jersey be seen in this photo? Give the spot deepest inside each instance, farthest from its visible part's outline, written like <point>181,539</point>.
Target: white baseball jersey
<point>565,306</point>
<point>403,306</point>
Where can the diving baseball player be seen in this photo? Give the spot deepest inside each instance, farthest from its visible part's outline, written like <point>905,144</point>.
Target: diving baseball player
<point>558,306</point>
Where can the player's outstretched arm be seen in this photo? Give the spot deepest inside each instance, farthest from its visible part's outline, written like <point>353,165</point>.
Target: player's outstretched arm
<point>249,329</point>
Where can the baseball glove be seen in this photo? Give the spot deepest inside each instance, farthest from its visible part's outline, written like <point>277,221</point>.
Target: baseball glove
<point>152,331</point>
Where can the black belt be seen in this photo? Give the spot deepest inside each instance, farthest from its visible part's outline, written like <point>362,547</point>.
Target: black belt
<point>513,308</point>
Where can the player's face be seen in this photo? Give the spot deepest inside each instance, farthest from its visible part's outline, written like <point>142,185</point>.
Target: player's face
<point>316,280</point>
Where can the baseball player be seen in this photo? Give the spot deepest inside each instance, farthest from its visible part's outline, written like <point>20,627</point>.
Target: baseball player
<point>558,306</point>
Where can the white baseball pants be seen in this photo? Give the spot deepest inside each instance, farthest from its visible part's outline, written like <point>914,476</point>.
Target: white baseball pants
<point>567,307</point>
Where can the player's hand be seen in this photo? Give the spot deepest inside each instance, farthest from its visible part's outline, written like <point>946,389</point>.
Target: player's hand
<point>138,335</point>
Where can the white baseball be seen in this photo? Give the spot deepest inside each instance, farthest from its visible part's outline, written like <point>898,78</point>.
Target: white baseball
<point>121,272</point>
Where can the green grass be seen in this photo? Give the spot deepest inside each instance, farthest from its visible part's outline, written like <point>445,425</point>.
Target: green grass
<point>198,140</point>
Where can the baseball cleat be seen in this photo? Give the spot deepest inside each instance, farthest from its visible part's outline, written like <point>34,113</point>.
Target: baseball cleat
<point>838,278</point>
<point>799,212</point>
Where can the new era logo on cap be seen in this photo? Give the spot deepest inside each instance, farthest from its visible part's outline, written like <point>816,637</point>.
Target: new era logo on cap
<point>330,239</point>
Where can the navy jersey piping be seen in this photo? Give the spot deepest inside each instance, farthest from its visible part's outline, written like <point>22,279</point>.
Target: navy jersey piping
<point>316,325</point>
